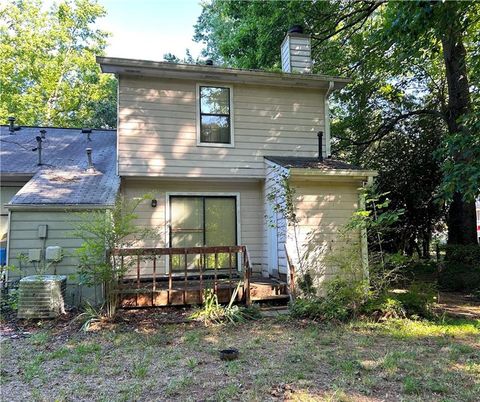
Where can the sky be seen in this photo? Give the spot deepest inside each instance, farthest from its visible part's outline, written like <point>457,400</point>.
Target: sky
<point>147,29</point>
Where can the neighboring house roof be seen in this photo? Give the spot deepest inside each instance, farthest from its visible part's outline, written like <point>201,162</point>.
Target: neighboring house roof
<point>64,177</point>
<point>217,73</point>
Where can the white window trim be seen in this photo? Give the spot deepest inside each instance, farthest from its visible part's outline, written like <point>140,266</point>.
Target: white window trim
<point>200,194</point>
<point>197,107</point>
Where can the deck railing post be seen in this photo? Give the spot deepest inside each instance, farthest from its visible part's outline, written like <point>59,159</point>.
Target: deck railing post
<point>185,278</point>
<point>215,274</point>
<point>202,261</point>
<point>246,261</point>
<point>154,272</point>
<point>169,298</point>
<point>230,272</point>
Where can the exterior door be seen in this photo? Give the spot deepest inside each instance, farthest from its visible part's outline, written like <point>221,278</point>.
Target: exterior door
<point>203,221</point>
<point>272,240</point>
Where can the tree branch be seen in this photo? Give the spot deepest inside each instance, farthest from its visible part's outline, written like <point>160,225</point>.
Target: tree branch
<point>361,14</point>
<point>388,126</point>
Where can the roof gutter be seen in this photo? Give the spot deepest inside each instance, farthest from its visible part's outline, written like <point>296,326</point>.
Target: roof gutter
<point>332,174</point>
<point>57,207</point>
<point>134,67</point>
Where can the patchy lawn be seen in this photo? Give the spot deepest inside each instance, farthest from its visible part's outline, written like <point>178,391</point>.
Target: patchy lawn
<point>280,359</point>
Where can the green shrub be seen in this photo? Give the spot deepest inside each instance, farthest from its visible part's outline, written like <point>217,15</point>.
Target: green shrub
<point>212,312</point>
<point>385,306</point>
<point>467,255</point>
<point>461,270</point>
<point>342,301</point>
<point>418,299</point>
<point>308,307</point>
<point>458,277</point>
<point>9,299</point>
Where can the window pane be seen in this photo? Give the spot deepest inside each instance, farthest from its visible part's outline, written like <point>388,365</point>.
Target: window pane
<point>220,222</point>
<point>215,129</point>
<point>187,229</point>
<point>186,213</point>
<point>220,229</point>
<point>214,100</point>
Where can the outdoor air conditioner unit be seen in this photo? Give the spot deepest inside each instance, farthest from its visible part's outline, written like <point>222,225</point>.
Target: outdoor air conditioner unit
<point>41,296</point>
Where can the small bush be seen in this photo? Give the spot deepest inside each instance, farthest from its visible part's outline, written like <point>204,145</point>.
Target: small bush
<point>384,307</point>
<point>461,271</point>
<point>309,307</point>
<point>341,302</point>
<point>418,300</point>
<point>467,255</point>
<point>212,312</point>
<point>10,299</point>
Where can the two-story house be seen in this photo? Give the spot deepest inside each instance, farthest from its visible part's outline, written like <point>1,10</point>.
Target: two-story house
<point>234,158</point>
<point>212,144</point>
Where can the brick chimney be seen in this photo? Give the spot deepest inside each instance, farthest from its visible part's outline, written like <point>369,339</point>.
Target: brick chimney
<point>296,51</point>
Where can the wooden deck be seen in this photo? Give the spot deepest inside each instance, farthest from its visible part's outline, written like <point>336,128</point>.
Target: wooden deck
<point>187,288</point>
<point>191,292</point>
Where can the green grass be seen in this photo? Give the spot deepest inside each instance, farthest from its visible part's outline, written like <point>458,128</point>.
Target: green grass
<point>414,360</point>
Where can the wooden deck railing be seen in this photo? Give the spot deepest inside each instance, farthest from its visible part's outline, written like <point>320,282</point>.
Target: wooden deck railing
<point>203,269</point>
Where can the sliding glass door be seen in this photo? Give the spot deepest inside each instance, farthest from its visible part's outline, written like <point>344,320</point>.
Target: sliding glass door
<point>203,221</point>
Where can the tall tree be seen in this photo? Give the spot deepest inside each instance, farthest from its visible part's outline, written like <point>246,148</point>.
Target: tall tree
<point>48,73</point>
<point>408,60</point>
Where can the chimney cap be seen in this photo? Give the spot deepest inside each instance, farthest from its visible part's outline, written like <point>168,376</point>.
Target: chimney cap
<point>209,62</point>
<point>11,118</point>
<point>295,29</point>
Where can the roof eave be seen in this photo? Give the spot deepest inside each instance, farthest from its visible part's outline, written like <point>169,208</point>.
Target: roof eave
<point>208,73</point>
<point>57,207</point>
<point>344,173</point>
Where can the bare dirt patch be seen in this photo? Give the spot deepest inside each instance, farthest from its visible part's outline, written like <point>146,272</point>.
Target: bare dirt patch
<point>458,305</point>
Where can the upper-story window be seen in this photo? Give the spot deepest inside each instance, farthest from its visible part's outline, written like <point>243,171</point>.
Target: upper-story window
<point>215,122</point>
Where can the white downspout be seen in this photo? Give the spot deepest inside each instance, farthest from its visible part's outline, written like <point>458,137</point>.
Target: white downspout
<point>331,84</point>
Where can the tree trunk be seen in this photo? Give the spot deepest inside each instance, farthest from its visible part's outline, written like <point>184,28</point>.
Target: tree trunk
<point>461,219</point>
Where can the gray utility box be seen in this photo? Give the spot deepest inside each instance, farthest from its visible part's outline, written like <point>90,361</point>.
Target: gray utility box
<point>41,296</point>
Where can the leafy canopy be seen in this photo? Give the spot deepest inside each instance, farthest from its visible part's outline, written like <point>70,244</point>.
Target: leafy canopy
<point>48,72</point>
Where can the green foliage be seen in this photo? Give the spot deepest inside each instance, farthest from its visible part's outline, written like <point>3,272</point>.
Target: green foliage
<point>384,307</point>
<point>461,269</point>
<point>212,312</point>
<point>341,302</point>
<point>305,283</point>
<point>282,196</point>
<point>100,232</point>
<point>9,300</point>
<point>462,254</point>
<point>393,116</point>
<point>418,299</point>
<point>48,74</point>
<point>89,315</point>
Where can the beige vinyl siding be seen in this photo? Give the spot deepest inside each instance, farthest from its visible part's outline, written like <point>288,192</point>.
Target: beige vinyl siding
<point>157,128</point>
<point>24,236</point>
<point>323,209</point>
<point>7,192</point>
<point>251,215</point>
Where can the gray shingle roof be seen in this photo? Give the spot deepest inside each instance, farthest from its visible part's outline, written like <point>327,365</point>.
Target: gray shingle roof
<point>297,162</point>
<point>63,178</point>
